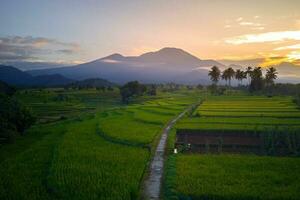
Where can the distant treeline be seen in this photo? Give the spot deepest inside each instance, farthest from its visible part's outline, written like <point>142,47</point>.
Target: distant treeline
<point>254,76</point>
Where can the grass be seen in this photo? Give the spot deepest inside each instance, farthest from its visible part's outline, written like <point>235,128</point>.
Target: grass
<point>55,104</point>
<point>237,177</point>
<point>244,113</point>
<point>97,153</point>
<point>224,177</point>
<point>87,167</point>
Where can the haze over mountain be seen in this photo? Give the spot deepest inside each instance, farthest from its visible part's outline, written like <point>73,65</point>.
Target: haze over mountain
<point>165,65</point>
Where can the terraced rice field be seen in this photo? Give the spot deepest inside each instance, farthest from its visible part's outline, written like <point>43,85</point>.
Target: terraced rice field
<point>225,176</point>
<point>97,156</point>
<point>53,104</point>
<point>244,113</point>
<point>237,177</point>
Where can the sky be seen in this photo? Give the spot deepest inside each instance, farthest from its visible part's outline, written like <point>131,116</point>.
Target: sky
<point>76,31</point>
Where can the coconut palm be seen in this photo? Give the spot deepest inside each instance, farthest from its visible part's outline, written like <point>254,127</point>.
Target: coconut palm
<point>271,75</point>
<point>240,75</point>
<point>228,74</point>
<point>248,74</point>
<point>256,79</point>
<point>214,74</point>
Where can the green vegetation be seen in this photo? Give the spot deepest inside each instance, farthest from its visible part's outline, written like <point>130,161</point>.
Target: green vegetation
<point>244,113</point>
<point>237,177</point>
<point>100,150</point>
<point>225,176</point>
<point>55,104</point>
<point>88,144</point>
<point>15,117</point>
<point>132,89</point>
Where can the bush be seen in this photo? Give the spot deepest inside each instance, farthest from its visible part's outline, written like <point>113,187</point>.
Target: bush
<point>15,117</point>
<point>131,89</point>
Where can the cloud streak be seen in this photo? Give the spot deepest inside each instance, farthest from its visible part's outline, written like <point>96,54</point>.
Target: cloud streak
<point>295,46</point>
<point>264,37</point>
<point>24,48</point>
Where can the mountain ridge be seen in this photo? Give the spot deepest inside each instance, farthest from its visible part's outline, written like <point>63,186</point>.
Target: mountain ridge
<point>16,77</point>
<point>163,65</point>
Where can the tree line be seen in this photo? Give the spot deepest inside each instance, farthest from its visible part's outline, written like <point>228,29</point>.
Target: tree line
<point>254,76</point>
<point>134,89</point>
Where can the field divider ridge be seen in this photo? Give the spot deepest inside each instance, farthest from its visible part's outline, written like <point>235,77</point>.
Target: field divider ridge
<point>152,183</point>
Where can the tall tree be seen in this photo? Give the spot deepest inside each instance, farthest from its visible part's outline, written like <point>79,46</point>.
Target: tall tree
<point>240,75</point>
<point>131,89</point>
<point>271,75</point>
<point>228,74</point>
<point>256,79</point>
<point>214,74</point>
<point>248,74</point>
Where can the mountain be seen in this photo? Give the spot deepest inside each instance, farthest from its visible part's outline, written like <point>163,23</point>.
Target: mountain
<point>288,72</point>
<point>14,76</point>
<point>93,82</point>
<point>26,65</point>
<point>159,66</point>
<point>51,80</point>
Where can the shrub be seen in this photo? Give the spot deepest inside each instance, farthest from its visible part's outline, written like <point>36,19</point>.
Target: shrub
<point>15,117</point>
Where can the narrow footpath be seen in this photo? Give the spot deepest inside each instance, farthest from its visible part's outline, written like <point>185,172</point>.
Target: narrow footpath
<point>153,182</point>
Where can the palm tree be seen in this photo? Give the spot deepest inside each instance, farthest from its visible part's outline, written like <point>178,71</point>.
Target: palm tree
<point>214,74</point>
<point>240,75</point>
<point>256,79</point>
<point>248,74</point>
<point>271,75</point>
<point>228,74</point>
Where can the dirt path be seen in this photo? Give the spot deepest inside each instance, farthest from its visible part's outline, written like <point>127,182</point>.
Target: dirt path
<point>153,182</point>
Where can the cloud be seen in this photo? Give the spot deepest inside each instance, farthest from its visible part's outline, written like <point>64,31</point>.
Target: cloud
<point>294,55</point>
<point>24,48</point>
<point>271,61</point>
<point>295,46</point>
<point>66,51</point>
<point>258,28</point>
<point>296,62</point>
<point>249,24</point>
<point>264,37</point>
<point>239,19</point>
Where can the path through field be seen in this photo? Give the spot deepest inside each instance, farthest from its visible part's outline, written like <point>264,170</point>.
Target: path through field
<point>153,182</point>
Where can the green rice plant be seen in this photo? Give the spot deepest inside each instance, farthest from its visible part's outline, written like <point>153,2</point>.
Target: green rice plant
<point>24,167</point>
<point>87,167</point>
<point>237,177</point>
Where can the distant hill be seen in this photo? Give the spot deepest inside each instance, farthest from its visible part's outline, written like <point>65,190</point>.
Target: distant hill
<point>93,82</point>
<point>160,66</point>
<point>16,77</point>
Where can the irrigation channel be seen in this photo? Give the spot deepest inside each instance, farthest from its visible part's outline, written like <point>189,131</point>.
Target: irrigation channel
<point>152,184</point>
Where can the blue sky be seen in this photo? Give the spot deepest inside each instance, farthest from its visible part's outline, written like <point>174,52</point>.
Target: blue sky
<point>83,30</point>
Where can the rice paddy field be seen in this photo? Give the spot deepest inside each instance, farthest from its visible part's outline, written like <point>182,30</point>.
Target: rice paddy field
<point>88,145</point>
<point>54,104</point>
<point>233,176</point>
<point>244,113</point>
<point>102,154</point>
